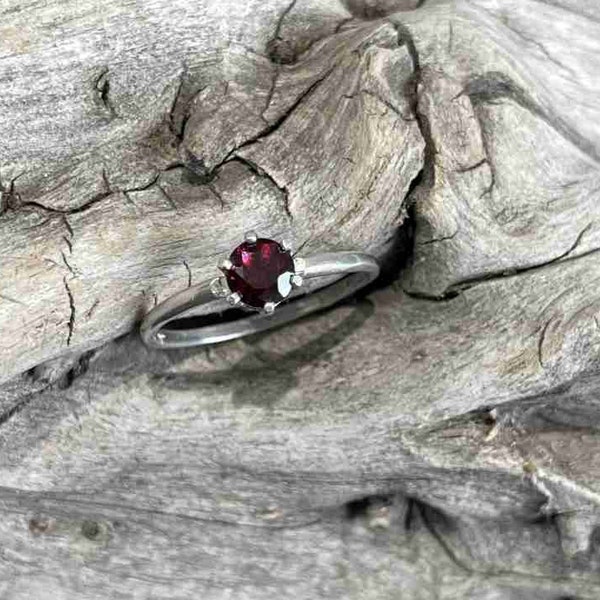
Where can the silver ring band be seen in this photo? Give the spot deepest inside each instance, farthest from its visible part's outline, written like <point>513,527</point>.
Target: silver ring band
<point>356,269</point>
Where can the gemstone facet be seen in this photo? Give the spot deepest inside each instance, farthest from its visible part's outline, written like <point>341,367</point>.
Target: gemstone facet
<point>261,272</point>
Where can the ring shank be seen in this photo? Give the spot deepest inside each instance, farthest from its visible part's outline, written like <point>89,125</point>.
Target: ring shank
<point>356,269</point>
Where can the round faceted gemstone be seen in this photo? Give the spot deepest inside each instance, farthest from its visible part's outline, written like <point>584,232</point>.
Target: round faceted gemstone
<point>261,272</point>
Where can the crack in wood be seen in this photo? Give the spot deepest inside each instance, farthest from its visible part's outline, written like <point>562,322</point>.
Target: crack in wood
<point>381,100</point>
<point>66,262</point>
<point>479,163</point>
<point>102,87</point>
<point>9,197</point>
<point>262,173</point>
<point>275,125</point>
<point>444,238</point>
<point>274,49</point>
<point>189,273</point>
<point>541,340</point>
<point>167,196</point>
<point>178,132</point>
<point>425,514</point>
<point>427,181</point>
<point>467,284</point>
<point>71,321</point>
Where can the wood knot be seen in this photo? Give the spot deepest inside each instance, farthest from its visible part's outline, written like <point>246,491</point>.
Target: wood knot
<point>90,530</point>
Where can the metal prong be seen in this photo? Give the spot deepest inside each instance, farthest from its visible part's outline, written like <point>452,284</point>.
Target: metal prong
<point>161,337</point>
<point>269,308</point>
<point>217,287</point>
<point>299,266</point>
<point>225,265</point>
<point>234,298</point>
<point>296,280</point>
<point>286,245</point>
<point>250,237</point>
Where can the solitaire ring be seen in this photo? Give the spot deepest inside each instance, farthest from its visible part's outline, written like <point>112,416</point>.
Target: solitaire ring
<point>264,279</point>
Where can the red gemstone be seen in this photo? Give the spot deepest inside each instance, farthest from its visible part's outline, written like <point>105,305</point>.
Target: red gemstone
<point>261,272</point>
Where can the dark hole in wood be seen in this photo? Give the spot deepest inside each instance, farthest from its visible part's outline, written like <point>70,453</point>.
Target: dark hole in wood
<point>358,508</point>
<point>90,529</point>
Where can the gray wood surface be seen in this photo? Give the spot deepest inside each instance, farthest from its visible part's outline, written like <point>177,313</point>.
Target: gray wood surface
<point>434,439</point>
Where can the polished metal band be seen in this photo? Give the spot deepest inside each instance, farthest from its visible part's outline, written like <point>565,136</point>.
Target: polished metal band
<point>356,269</point>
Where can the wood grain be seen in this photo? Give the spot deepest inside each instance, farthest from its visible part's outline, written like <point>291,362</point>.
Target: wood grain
<point>90,252</point>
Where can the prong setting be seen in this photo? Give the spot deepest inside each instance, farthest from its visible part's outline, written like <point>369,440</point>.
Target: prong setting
<point>297,280</point>
<point>218,287</point>
<point>250,237</point>
<point>286,245</point>
<point>225,265</point>
<point>257,275</point>
<point>234,299</point>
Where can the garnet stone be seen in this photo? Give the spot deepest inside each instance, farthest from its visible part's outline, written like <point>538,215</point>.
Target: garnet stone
<point>261,272</point>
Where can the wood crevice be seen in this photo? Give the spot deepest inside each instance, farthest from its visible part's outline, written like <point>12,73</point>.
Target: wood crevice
<point>72,311</point>
<point>467,284</point>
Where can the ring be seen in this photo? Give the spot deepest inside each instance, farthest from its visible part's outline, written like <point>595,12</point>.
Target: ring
<point>264,279</point>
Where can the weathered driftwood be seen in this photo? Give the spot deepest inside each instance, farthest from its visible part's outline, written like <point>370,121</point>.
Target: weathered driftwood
<point>437,439</point>
<point>324,149</point>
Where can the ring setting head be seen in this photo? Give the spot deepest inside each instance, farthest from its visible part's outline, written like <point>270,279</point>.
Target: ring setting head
<point>260,273</point>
